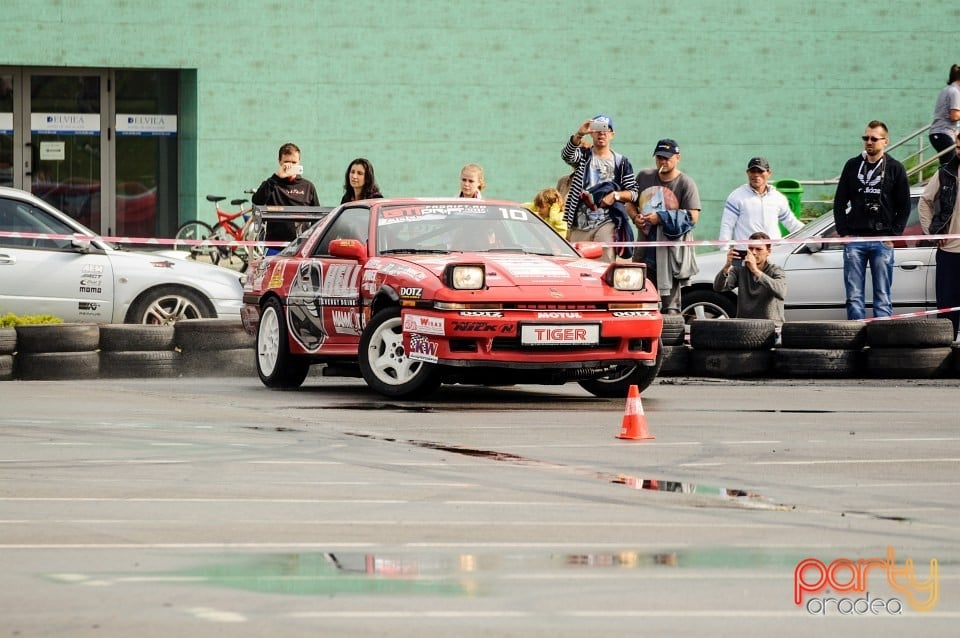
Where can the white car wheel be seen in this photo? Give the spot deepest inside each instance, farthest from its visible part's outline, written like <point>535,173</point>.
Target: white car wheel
<point>385,365</point>
<point>276,366</point>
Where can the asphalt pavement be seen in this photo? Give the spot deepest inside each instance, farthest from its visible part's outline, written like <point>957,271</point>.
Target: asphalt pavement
<point>197,507</point>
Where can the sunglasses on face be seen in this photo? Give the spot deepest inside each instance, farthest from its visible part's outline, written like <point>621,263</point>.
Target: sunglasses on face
<point>869,138</point>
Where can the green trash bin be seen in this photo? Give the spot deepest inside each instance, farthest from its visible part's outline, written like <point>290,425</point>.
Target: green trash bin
<point>793,191</point>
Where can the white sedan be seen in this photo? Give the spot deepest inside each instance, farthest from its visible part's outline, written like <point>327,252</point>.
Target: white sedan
<point>82,278</point>
<point>815,288</point>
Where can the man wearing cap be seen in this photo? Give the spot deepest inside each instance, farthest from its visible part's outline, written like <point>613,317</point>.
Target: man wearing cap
<point>667,218</point>
<point>601,182</point>
<point>756,207</point>
<point>872,200</point>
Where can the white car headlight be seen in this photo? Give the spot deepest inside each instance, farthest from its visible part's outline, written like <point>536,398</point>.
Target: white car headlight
<point>627,277</point>
<point>465,277</point>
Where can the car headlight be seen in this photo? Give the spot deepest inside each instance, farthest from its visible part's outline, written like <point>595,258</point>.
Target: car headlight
<point>465,277</point>
<point>626,277</point>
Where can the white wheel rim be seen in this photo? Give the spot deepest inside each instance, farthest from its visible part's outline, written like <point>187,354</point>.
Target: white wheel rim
<point>268,341</point>
<point>388,361</point>
<point>170,309</point>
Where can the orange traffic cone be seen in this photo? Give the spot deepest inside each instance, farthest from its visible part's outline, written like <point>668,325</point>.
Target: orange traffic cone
<point>634,421</point>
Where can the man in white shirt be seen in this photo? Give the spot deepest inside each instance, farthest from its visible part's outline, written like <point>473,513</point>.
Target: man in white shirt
<point>756,207</point>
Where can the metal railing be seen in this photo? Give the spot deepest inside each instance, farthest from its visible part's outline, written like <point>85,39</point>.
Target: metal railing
<point>918,161</point>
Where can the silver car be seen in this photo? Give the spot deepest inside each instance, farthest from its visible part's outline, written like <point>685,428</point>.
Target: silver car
<point>82,278</point>
<point>815,287</point>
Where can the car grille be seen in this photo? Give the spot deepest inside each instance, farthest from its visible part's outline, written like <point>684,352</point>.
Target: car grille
<point>569,307</point>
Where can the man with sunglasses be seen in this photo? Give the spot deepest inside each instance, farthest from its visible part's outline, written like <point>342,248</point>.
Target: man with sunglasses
<point>872,200</point>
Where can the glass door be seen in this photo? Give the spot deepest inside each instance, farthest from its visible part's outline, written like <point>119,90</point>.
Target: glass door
<point>65,151</point>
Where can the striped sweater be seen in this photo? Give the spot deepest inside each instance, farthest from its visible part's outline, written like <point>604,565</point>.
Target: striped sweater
<point>579,158</point>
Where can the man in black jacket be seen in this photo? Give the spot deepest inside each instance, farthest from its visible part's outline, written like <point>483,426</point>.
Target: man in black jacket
<point>286,187</point>
<point>872,200</point>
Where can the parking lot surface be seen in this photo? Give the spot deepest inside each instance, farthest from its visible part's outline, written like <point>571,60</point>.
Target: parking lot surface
<point>196,507</point>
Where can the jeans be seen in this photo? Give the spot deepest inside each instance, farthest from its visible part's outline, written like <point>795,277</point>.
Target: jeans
<point>940,141</point>
<point>948,285</point>
<point>856,255</point>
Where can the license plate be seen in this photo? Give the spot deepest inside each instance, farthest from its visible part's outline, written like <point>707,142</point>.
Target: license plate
<point>560,334</point>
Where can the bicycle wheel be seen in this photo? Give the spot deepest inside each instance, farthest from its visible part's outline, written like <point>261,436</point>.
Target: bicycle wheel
<point>254,232</point>
<point>193,234</point>
<point>231,256</point>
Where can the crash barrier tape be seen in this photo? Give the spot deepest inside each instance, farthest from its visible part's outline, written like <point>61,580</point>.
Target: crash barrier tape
<point>158,241</point>
<point>907,315</point>
<point>623,244</point>
<point>763,242</point>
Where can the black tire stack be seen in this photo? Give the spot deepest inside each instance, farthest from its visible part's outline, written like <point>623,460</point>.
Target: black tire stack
<point>676,352</point>
<point>57,351</point>
<point>820,349</point>
<point>909,349</point>
<point>137,351</point>
<point>8,345</point>
<point>731,347</point>
<point>215,347</point>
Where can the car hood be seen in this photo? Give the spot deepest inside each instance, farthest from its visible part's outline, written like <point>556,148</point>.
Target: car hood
<point>519,271</point>
<point>148,268</point>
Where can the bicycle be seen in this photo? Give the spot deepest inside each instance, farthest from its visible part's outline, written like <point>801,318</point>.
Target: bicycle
<point>225,230</point>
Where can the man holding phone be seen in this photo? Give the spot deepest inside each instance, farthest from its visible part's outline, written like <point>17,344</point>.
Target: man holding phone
<point>286,187</point>
<point>761,285</point>
<point>602,181</point>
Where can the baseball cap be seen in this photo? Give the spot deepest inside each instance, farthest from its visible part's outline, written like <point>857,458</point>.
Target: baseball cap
<point>604,118</point>
<point>758,162</point>
<point>667,148</point>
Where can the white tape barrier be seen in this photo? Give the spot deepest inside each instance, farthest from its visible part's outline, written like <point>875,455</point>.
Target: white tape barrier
<point>631,244</point>
<point>763,242</point>
<point>906,315</point>
<point>154,241</point>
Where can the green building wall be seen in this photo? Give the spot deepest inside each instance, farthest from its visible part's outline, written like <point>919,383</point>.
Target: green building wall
<point>422,87</point>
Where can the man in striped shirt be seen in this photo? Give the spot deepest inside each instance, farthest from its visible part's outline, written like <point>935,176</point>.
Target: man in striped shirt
<point>602,181</point>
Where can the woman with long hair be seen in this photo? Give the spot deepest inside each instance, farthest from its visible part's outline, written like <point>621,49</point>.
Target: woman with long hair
<point>359,181</point>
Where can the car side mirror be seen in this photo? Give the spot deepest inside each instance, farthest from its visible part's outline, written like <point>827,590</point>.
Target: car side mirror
<point>589,249</point>
<point>81,245</point>
<point>348,249</point>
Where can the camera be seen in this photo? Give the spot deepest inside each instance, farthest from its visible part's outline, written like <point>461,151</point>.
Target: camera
<point>296,169</point>
<point>599,125</point>
<point>738,261</point>
<point>872,208</point>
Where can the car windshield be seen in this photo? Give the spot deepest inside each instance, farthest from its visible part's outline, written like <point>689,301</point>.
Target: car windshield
<point>431,228</point>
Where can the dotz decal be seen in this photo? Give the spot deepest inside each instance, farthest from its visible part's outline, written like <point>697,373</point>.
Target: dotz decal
<point>480,313</point>
<point>411,293</point>
<point>630,313</point>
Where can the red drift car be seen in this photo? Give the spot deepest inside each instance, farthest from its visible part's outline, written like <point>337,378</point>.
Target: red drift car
<point>412,293</point>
